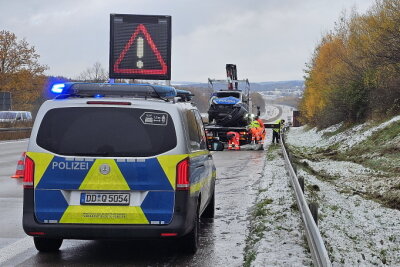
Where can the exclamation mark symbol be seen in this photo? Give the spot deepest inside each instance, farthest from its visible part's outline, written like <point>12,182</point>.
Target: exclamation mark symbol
<point>140,52</point>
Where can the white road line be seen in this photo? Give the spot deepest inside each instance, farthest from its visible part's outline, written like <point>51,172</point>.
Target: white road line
<point>14,141</point>
<point>12,250</point>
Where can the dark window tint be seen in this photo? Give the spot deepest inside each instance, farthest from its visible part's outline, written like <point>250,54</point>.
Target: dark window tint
<point>108,132</point>
<point>194,135</point>
<point>200,127</point>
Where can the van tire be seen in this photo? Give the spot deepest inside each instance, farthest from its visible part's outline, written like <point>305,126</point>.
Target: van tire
<point>47,244</point>
<point>209,212</point>
<point>190,242</point>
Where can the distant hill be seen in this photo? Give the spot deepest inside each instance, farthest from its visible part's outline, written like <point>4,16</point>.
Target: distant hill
<point>261,86</point>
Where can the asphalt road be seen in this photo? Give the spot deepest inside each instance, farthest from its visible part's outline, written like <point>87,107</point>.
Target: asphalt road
<point>222,239</point>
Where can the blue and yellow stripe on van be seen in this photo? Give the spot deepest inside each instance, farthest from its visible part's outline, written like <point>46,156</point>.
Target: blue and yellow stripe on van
<point>54,176</point>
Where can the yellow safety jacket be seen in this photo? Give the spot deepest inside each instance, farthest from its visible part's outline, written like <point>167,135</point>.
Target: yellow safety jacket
<point>280,126</point>
<point>254,124</point>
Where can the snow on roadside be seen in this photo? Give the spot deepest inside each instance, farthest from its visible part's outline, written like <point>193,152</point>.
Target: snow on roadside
<point>349,175</point>
<point>302,137</point>
<point>283,243</point>
<point>358,232</point>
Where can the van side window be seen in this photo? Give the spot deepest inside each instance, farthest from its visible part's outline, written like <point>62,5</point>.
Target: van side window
<point>203,144</point>
<point>193,128</point>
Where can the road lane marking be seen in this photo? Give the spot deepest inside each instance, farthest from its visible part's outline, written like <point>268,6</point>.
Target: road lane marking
<point>12,250</point>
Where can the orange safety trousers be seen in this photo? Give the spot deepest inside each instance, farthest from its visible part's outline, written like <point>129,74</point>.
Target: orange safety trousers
<point>233,140</point>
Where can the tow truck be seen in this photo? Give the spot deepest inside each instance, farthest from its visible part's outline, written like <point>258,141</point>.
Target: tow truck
<point>230,110</point>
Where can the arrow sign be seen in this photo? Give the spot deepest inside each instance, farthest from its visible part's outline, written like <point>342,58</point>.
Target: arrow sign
<point>140,47</point>
<point>153,118</point>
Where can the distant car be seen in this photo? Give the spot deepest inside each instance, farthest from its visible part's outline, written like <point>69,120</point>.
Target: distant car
<point>14,116</point>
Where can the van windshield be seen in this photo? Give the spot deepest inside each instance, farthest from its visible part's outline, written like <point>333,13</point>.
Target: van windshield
<point>107,132</point>
<point>227,94</point>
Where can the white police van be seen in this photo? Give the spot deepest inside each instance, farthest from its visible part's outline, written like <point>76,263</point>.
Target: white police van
<point>117,161</point>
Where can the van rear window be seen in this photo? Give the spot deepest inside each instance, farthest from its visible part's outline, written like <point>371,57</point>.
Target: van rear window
<point>107,132</point>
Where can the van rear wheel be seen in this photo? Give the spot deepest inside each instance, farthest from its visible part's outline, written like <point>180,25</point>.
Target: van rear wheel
<point>190,242</point>
<point>47,244</point>
<point>210,209</point>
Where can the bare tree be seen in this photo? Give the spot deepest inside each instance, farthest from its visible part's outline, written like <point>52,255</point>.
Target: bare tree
<point>16,56</point>
<point>96,73</point>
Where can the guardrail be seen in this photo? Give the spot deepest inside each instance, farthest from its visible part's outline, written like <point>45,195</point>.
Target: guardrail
<point>314,239</point>
<point>15,129</point>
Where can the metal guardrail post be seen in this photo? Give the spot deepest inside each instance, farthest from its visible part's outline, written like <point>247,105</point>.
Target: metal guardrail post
<point>314,239</point>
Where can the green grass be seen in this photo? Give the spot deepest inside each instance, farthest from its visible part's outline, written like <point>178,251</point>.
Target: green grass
<point>271,154</point>
<point>257,229</point>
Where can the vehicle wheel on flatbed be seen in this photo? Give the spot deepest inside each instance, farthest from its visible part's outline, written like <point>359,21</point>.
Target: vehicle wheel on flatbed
<point>190,242</point>
<point>47,244</point>
<point>210,209</point>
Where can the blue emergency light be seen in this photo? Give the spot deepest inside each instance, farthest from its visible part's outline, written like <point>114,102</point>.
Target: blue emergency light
<point>57,88</point>
<point>114,89</point>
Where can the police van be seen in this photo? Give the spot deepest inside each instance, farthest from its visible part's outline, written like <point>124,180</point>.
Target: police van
<point>117,161</point>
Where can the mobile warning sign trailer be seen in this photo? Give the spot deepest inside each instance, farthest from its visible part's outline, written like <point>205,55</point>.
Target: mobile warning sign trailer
<point>140,47</point>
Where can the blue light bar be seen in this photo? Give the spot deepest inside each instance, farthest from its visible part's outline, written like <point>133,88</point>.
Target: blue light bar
<point>114,89</point>
<point>57,88</point>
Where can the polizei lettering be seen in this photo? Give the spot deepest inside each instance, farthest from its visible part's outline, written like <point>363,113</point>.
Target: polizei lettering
<point>70,165</point>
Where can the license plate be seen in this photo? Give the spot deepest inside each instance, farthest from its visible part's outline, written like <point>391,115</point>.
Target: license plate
<point>122,199</point>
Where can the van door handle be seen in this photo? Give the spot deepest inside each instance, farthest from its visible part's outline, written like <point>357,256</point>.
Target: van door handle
<point>200,166</point>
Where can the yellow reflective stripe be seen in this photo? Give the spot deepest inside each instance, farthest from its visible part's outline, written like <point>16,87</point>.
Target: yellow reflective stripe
<point>197,186</point>
<point>95,180</point>
<point>199,153</point>
<point>42,162</point>
<point>104,215</point>
<point>168,164</point>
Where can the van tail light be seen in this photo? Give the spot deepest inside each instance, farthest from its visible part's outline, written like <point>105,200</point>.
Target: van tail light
<point>168,234</point>
<point>36,233</point>
<point>28,173</point>
<point>182,175</point>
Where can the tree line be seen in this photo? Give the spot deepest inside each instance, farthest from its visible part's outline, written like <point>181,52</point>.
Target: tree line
<point>354,73</point>
<point>23,76</point>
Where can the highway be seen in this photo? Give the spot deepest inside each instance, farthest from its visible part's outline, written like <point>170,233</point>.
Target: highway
<point>222,239</point>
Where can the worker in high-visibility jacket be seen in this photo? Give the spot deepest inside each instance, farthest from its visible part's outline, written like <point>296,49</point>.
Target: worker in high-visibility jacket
<point>256,130</point>
<point>276,131</point>
<point>262,128</point>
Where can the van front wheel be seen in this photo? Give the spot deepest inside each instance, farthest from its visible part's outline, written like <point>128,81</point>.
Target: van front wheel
<point>47,244</point>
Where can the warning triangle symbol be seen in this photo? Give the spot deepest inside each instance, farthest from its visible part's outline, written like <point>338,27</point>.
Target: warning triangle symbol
<point>117,65</point>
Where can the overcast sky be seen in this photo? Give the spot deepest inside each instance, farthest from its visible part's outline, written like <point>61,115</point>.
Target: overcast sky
<point>269,40</point>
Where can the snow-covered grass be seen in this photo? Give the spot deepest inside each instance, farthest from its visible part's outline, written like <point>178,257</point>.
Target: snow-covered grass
<point>353,174</point>
<point>312,138</point>
<point>370,146</point>
<point>275,235</point>
<point>356,231</point>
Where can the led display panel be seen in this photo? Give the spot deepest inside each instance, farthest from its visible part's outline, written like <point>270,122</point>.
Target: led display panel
<point>140,47</point>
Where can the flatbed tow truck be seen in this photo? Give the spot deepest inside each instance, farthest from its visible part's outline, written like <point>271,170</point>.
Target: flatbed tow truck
<point>230,113</point>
